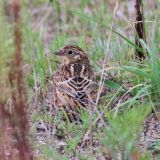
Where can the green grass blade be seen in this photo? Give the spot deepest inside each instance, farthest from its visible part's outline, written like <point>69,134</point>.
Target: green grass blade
<point>102,24</point>
<point>136,71</point>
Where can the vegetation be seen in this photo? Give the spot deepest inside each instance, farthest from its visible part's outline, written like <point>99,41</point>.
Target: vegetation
<point>105,29</point>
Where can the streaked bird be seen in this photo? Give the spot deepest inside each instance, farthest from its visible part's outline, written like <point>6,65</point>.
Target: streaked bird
<point>73,84</point>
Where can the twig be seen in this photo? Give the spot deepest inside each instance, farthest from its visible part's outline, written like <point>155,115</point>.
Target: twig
<point>101,82</point>
<point>139,27</point>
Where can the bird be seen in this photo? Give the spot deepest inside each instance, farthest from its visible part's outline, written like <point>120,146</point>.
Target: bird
<point>73,84</point>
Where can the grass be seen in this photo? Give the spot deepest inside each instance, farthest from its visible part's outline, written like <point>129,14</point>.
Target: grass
<point>88,25</point>
<point>121,137</point>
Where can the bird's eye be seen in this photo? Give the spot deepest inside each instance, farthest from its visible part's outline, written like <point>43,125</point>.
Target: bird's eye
<point>70,52</point>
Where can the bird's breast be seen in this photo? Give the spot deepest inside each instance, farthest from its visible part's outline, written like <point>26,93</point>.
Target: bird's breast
<point>77,70</point>
<point>77,76</point>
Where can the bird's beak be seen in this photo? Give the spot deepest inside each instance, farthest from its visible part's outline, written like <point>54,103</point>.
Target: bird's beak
<point>58,53</point>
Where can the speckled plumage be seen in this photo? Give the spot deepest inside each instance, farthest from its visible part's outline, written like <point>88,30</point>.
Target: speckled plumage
<point>73,82</point>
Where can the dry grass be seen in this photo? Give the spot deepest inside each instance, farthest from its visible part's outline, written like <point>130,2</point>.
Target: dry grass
<point>91,25</point>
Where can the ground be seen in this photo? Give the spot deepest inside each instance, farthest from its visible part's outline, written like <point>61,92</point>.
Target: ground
<point>63,137</point>
<point>126,124</point>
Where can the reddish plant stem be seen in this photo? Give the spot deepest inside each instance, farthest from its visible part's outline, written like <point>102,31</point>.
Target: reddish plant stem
<point>18,118</point>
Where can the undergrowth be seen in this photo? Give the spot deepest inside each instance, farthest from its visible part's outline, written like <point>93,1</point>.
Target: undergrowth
<point>115,129</point>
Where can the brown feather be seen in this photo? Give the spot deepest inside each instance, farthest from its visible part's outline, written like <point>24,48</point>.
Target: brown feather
<point>73,82</point>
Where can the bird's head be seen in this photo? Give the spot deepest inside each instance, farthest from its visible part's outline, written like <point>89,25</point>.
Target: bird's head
<point>71,54</point>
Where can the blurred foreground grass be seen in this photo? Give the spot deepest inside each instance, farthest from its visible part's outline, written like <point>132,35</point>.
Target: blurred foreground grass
<point>48,26</point>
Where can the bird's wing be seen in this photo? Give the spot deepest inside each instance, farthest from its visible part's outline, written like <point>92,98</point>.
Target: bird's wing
<point>77,87</point>
<point>87,102</point>
<point>66,88</point>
